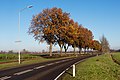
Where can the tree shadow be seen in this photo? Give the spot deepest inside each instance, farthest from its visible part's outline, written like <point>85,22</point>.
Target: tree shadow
<point>66,73</point>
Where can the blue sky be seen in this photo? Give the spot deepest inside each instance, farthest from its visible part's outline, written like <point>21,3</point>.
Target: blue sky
<point>100,16</point>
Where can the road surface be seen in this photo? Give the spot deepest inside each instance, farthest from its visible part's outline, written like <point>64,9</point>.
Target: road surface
<point>40,71</point>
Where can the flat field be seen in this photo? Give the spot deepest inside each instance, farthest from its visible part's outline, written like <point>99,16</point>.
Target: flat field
<point>11,60</point>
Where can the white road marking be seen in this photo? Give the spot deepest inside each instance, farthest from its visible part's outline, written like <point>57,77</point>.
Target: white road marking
<point>5,77</point>
<point>39,67</point>
<point>59,75</point>
<point>50,64</point>
<point>29,70</point>
<point>22,72</point>
<point>66,60</point>
<point>68,68</point>
<point>60,61</point>
<point>57,62</point>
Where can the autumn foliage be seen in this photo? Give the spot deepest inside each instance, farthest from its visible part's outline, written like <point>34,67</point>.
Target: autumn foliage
<point>56,27</point>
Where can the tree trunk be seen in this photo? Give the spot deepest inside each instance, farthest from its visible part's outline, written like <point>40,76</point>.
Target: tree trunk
<point>50,49</point>
<point>74,50</point>
<point>65,50</point>
<point>79,50</point>
<point>84,50</point>
<point>61,47</point>
<point>60,51</point>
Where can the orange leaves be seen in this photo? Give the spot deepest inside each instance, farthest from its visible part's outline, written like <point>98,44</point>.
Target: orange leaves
<point>96,45</point>
<point>57,27</point>
<point>36,32</point>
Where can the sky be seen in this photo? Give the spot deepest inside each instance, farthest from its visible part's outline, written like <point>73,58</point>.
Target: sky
<point>102,17</point>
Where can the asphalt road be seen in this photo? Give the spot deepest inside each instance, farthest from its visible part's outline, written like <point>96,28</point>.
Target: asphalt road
<point>40,71</point>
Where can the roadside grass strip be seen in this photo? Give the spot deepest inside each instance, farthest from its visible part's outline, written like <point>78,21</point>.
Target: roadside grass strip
<point>116,57</point>
<point>12,60</point>
<point>97,68</point>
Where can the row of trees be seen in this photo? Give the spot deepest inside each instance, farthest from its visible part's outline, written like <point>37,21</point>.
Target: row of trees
<point>56,27</point>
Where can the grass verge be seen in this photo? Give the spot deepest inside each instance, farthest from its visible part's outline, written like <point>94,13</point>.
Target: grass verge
<point>116,57</point>
<point>96,68</point>
<point>26,62</point>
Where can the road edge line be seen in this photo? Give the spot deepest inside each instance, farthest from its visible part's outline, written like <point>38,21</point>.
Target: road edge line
<point>68,68</point>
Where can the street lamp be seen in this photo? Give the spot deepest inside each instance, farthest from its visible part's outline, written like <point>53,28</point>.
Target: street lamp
<point>30,6</point>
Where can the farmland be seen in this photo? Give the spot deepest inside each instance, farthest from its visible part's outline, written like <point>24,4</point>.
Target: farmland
<point>14,56</point>
<point>8,60</point>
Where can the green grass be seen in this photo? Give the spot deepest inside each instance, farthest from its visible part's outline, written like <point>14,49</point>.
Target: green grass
<point>14,56</point>
<point>96,68</point>
<point>116,56</point>
<point>28,59</point>
<point>26,62</point>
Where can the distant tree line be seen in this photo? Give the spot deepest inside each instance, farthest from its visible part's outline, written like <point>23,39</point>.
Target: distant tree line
<point>57,28</point>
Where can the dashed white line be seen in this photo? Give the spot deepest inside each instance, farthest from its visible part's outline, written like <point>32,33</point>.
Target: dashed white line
<point>57,62</point>
<point>66,60</point>
<point>39,67</point>
<point>50,64</point>
<point>5,77</point>
<point>22,72</point>
<point>29,70</point>
<point>60,61</point>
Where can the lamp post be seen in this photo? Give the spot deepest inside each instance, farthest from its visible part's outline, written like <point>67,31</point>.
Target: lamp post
<point>30,6</point>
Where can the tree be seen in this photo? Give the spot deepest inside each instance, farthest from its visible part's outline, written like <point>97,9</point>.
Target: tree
<point>73,35</point>
<point>60,38</point>
<point>45,26</point>
<point>104,44</point>
<point>69,35</point>
<point>88,36</point>
<point>24,51</point>
<point>55,27</point>
<point>11,51</point>
<point>66,38</point>
<point>85,37</point>
<point>80,43</point>
<point>96,45</point>
<point>62,25</point>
